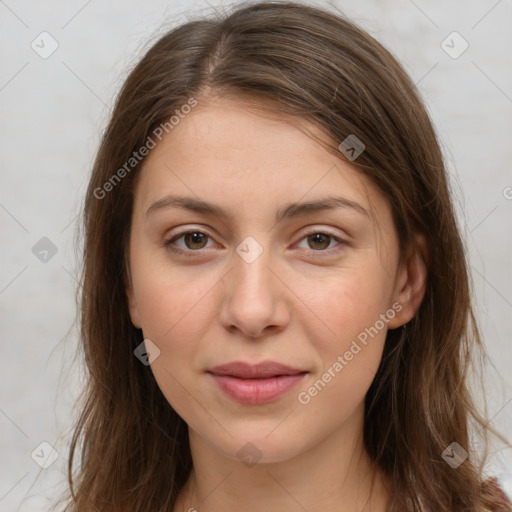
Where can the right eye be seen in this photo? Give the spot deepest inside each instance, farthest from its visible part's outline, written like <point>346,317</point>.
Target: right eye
<point>193,239</point>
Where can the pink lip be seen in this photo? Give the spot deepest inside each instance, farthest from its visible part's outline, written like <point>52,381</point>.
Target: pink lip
<point>256,384</point>
<point>254,371</point>
<point>256,391</point>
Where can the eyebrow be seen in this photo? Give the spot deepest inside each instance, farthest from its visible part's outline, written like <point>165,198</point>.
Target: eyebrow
<point>288,211</point>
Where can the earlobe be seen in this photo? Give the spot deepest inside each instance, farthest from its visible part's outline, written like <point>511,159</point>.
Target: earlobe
<point>411,282</point>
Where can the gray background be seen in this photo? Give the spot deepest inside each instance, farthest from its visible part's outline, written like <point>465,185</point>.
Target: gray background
<point>53,111</point>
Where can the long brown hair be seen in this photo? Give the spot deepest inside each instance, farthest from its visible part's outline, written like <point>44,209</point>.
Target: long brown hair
<point>305,63</point>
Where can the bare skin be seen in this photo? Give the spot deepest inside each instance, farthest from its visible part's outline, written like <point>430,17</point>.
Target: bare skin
<point>302,302</point>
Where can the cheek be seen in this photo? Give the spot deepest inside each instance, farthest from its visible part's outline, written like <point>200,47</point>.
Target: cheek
<point>170,297</point>
<point>346,305</point>
<point>177,306</point>
<point>349,356</point>
<point>176,315</point>
<point>354,313</point>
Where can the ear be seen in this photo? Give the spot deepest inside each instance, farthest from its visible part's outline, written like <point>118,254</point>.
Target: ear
<point>132,303</point>
<point>410,282</point>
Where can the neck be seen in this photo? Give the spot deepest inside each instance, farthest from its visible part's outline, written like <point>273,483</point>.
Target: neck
<point>334,476</point>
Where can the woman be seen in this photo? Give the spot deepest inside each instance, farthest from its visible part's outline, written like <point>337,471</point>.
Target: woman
<point>312,351</point>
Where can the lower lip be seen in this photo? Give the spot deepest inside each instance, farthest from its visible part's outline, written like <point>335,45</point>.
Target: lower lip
<point>256,391</point>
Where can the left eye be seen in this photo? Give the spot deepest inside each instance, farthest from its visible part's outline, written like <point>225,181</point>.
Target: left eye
<point>195,240</point>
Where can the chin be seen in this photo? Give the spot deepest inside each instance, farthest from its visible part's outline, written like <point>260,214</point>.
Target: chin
<point>257,446</point>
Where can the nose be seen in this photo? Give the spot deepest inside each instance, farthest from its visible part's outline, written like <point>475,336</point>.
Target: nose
<point>255,297</point>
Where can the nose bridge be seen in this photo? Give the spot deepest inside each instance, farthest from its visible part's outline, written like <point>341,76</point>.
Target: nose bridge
<point>252,290</point>
<point>252,274</point>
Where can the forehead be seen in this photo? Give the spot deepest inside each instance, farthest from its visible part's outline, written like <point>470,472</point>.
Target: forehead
<point>229,151</point>
<point>240,133</point>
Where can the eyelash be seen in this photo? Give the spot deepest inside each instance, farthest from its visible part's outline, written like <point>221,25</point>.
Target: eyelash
<point>191,253</point>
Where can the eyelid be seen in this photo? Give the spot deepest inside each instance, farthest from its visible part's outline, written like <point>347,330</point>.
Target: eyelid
<point>310,231</point>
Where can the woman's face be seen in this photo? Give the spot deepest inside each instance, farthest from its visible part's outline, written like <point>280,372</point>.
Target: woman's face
<point>312,288</point>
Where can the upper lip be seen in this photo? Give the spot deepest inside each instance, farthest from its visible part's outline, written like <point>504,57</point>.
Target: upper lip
<point>265,369</point>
